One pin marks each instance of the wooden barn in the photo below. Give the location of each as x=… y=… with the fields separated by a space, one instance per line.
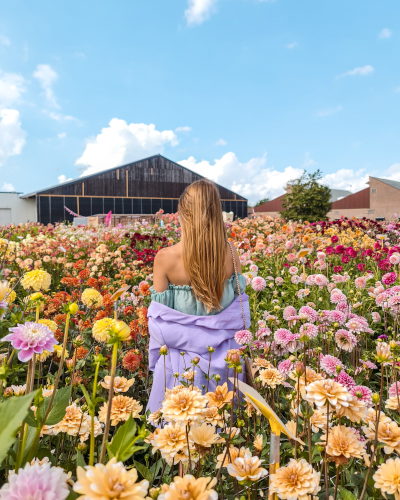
x=141 y=187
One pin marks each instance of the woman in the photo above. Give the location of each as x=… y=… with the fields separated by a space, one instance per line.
x=195 y=297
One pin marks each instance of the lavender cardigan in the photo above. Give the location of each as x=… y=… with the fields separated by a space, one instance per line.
x=191 y=334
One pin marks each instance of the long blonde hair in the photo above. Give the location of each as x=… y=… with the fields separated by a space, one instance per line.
x=204 y=240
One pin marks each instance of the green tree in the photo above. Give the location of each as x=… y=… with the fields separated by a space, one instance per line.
x=261 y=202
x=307 y=199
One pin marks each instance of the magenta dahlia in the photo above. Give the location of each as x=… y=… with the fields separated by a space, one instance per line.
x=329 y=363
x=31 y=338
x=362 y=393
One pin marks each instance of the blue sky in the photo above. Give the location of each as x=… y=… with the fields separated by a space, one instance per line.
x=246 y=92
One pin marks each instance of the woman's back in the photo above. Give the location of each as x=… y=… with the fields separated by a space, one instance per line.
x=172 y=287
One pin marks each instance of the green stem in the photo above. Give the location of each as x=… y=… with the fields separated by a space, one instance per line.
x=110 y=397
x=92 y=412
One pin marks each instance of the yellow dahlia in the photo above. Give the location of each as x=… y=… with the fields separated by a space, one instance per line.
x=343 y=443
x=247 y=468
x=211 y=416
x=271 y=377
x=233 y=454
x=297 y=480
x=220 y=397
x=110 y=482
x=11 y=296
x=388 y=434
x=121 y=384
x=73 y=422
x=92 y=298
x=387 y=477
x=355 y=411
x=121 y=408
x=51 y=325
x=185 y=405
x=171 y=440
x=36 y=280
x=189 y=488
x=203 y=436
x=326 y=391
x=102 y=328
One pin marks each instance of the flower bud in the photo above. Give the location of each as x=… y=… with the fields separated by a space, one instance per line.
x=234 y=359
x=299 y=369
x=8 y=392
x=163 y=350
x=82 y=447
x=217 y=378
x=238 y=369
x=375 y=398
x=121 y=330
x=338 y=369
x=73 y=308
x=210 y=349
x=196 y=360
x=36 y=296
x=69 y=363
x=393 y=344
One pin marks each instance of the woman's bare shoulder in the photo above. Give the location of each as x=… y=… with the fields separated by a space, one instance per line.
x=168 y=255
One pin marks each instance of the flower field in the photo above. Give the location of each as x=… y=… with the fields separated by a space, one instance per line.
x=323 y=347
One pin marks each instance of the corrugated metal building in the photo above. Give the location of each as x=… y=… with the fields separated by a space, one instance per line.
x=142 y=187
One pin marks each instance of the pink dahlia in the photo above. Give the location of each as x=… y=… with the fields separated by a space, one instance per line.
x=31 y=338
x=394 y=258
x=258 y=284
x=283 y=336
x=360 y=282
x=39 y=482
x=243 y=337
x=289 y=245
x=376 y=317
x=337 y=297
x=362 y=393
x=337 y=317
x=263 y=332
x=389 y=278
x=345 y=379
x=308 y=330
x=293 y=270
x=345 y=340
x=329 y=363
x=369 y=365
x=392 y=390
x=285 y=367
x=309 y=314
x=321 y=280
x=288 y=311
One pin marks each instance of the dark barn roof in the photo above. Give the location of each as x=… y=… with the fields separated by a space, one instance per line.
x=154 y=177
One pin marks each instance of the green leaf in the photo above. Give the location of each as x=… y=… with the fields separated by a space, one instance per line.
x=72 y=495
x=30 y=418
x=122 y=445
x=80 y=461
x=60 y=403
x=144 y=471
x=12 y=413
x=346 y=494
x=87 y=397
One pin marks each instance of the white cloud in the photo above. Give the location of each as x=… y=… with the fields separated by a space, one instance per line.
x=11 y=88
x=308 y=161
x=122 y=143
x=221 y=142
x=393 y=172
x=12 y=137
x=291 y=45
x=346 y=179
x=183 y=129
x=199 y=10
x=60 y=117
x=4 y=40
x=385 y=33
x=251 y=179
x=47 y=76
x=63 y=178
x=360 y=71
x=62 y=135
x=398 y=89
x=7 y=186
x=329 y=111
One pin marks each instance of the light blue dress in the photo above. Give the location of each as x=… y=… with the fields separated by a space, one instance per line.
x=182 y=299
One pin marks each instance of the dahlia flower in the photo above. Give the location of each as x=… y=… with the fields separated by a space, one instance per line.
x=31 y=338
x=36 y=280
x=271 y=377
x=171 y=440
x=109 y=482
x=121 y=408
x=285 y=367
x=388 y=434
x=220 y=397
x=204 y=436
x=258 y=284
x=383 y=352
x=92 y=298
x=389 y=278
x=329 y=363
x=243 y=337
x=355 y=410
x=121 y=384
x=131 y=361
x=102 y=328
x=38 y=481
x=212 y=416
x=362 y=393
x=345 y=379
x=308 y=313
x=295 y=481
x=387 y=477
x=308 y=330
x=189 y=487
x=322 y=392
x=247 y=468
x=233 y=454
x=182 y=406
x=345 y=340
